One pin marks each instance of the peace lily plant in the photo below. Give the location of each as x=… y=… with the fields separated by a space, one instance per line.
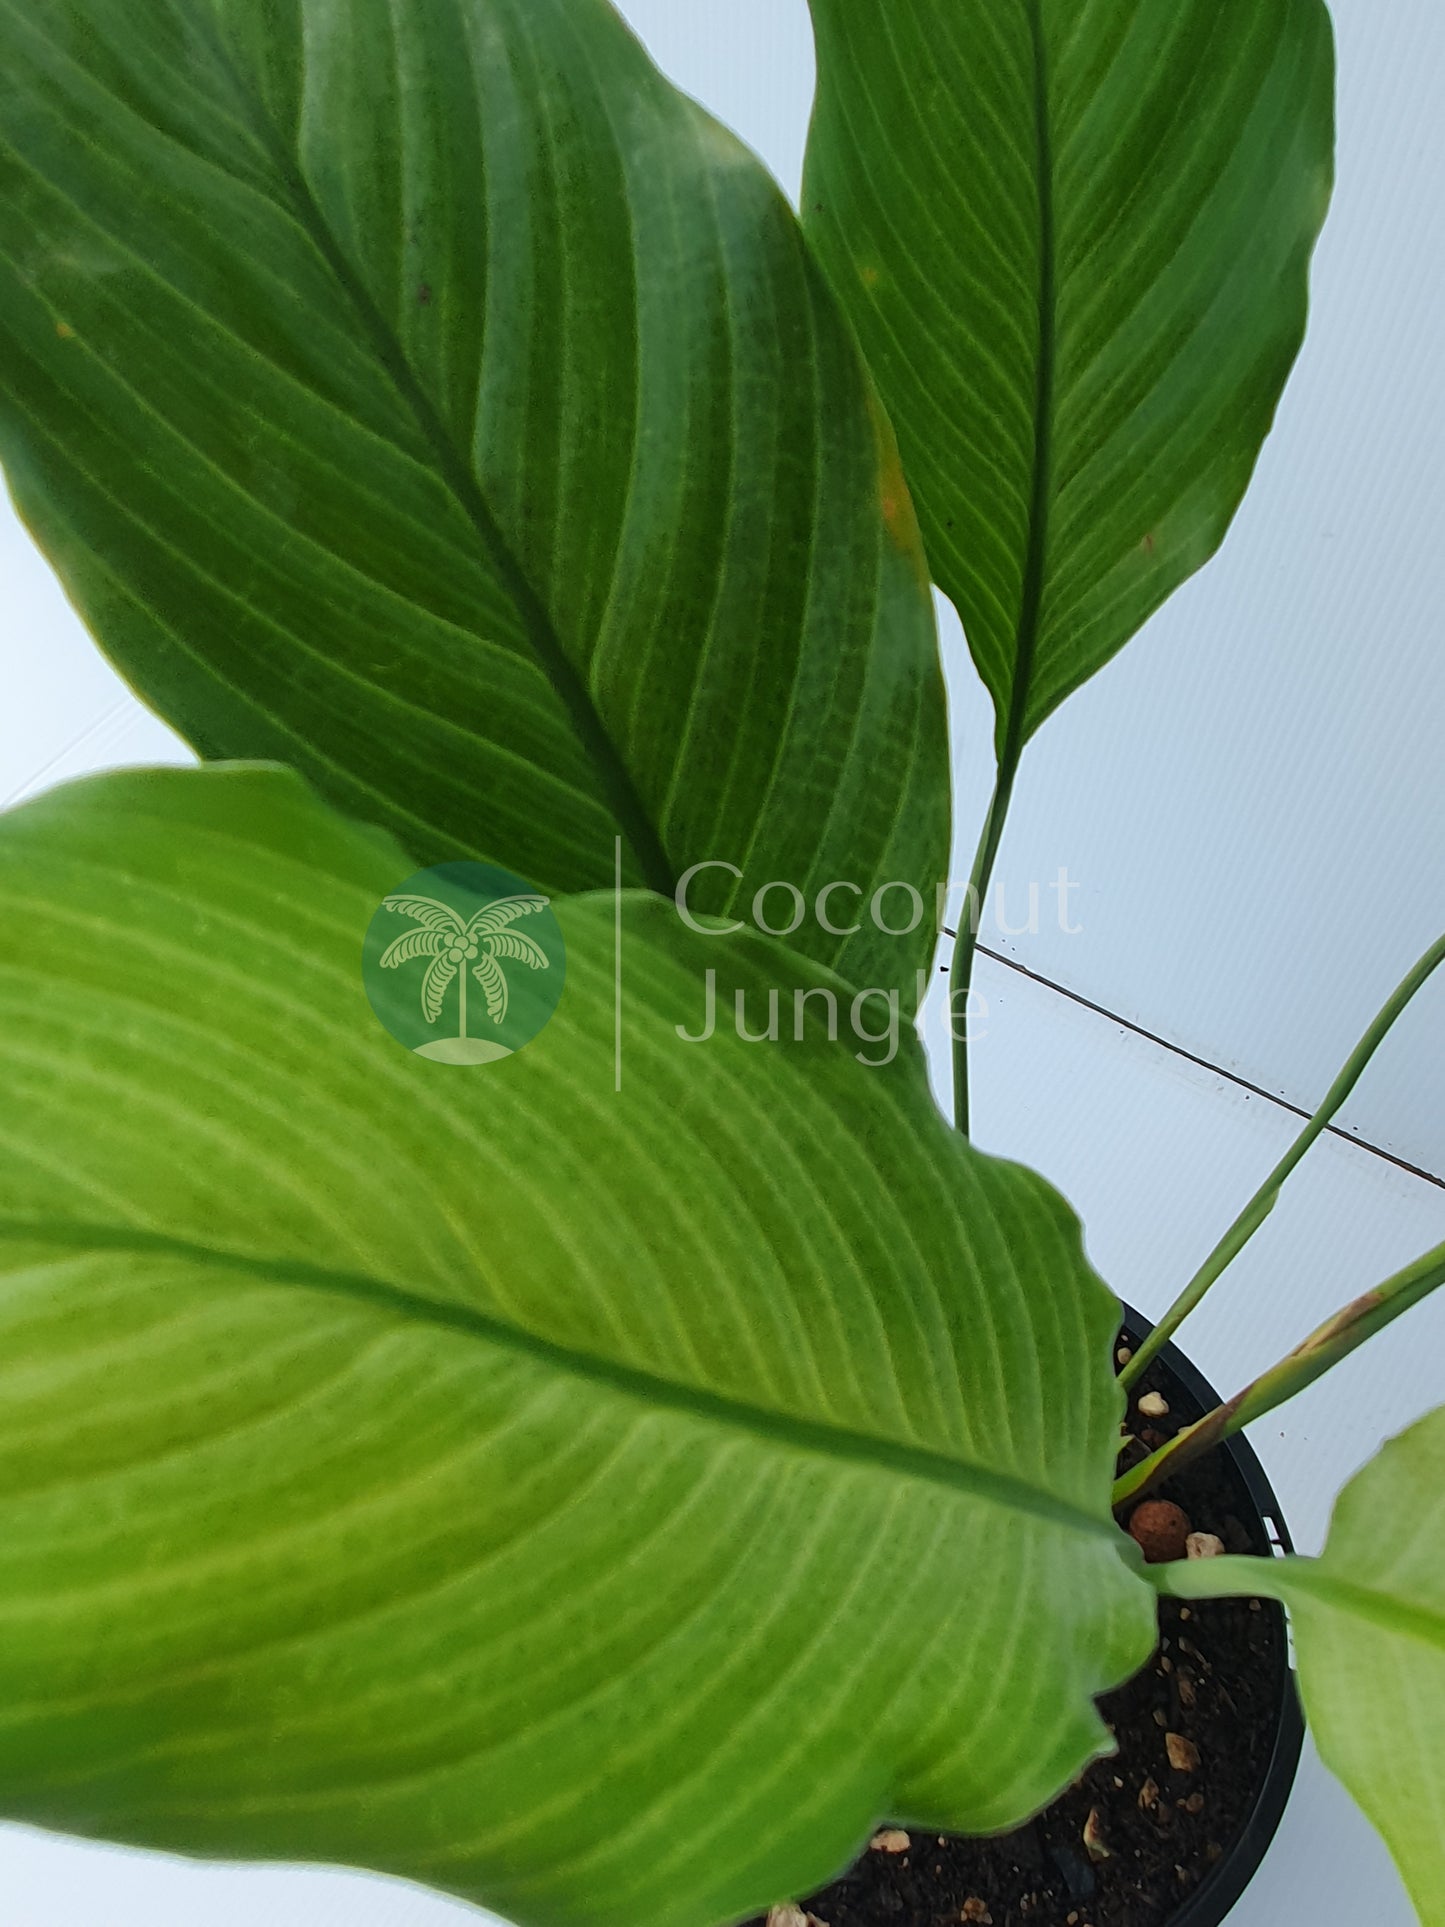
x=602 y=1503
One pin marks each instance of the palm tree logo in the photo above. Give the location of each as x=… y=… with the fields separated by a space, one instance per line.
x=456 y=947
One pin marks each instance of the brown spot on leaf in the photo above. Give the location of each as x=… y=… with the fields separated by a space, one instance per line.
x=895 y=503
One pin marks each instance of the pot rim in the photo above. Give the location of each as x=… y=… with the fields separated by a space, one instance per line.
x=1217 y=1893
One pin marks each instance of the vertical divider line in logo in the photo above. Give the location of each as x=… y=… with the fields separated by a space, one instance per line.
x=617 y=965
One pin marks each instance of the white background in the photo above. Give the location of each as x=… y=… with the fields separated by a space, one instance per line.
x=1251 y=800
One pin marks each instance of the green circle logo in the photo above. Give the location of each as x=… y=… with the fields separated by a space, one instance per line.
x=464 y=964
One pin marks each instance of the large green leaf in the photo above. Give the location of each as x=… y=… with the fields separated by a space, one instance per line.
x=1369 y=1628
x=1074 y=236
x=425 y=394
x=605 y=1506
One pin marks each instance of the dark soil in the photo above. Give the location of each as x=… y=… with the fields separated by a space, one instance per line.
x=1214 y=1683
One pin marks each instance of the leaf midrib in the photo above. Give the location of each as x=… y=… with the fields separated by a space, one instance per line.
x=456 y=472
x=1031 y=595
x=813 y=1436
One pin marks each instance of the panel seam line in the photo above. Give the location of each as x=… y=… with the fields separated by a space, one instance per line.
x=1206 y=1064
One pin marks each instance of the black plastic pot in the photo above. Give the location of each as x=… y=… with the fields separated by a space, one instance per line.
x=878 y=1891
x=1213 y=1899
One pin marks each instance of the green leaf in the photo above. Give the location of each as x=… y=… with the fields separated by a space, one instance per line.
x=604 y=1506
x=1074 y=236
x=1369 y=1629
x=424 y=394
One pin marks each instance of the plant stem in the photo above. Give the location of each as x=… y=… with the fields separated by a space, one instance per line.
x=1265 y=1199
x=960 y=980
x=1232 y=1576
x=1031 y=587
x=1319 y=1353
